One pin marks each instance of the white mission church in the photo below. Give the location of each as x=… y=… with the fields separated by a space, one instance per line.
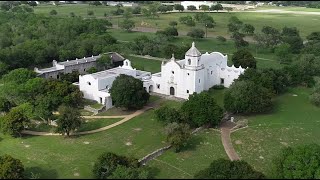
x=179 y=78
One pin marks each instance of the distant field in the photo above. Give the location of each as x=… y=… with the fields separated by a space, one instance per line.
x=304 y=9
x=305 y=23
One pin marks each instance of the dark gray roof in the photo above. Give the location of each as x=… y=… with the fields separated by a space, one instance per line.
x=116 y=57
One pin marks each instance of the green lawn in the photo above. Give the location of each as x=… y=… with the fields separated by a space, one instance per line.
x=85 y=112
x=115 y=112
x=92 y=124
x=303 y=9
x=152 y=66
x=59 y=157
x=294 y=122
x=203 y=148
x=43 y=127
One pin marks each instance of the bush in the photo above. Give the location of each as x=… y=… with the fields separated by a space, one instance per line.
x=53 y=12
x=226 y=169
x=315 y=99
x=244 y=59
x=221 y=39
x=167 y=115
x=217 y=87
x=178 y=135
x=11 y=168
x=196 y=33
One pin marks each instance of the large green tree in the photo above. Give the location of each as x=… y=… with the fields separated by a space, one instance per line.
x=201 y=109
x=108 y=162
x=69 y=120
x=17 y=119
x=128 y=92
x=226 y=169
x=178 y=135
x=244 y=59
x=247 y=97
x=11 y=168
x=301 y=162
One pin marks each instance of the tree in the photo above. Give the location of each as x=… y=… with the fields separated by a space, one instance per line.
x=53 y=12
x=201 y=109
x=292 y=37
x=11 y=168
x=69 y=120
x=238 y=40
x=187 y=20
x=221 y=39
x=128 y=13
x=127 y=24
x=104 y=62
x=173 y=23
x=315 y=98
x=136 y=10
x=33 y=3
x=282 y=51
x=108 y=162
x=248 y=29
x=153 y=9
x=196 y=33
x=92 y=70
x=179 y=7
x=95 y=3
x=204 y=7
x=18 y=76
x=191 y=8
x=90 y=13
x=234 y=24
x=169 y=31
x=17 y=119
x=123 y=172
x=228 y=8
x=244 y=59
x=162 y=8
x=168 y=115
x=269 y=38
x=72 y=14
x=128 y=92
x=301 y=162
x=226 y=169
x=247 y=97
x=178 y=135
x=216 y=7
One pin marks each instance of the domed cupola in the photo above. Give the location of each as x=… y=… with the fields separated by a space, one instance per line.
x=192 y=56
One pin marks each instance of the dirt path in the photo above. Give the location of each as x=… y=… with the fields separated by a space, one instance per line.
x=127 y=118
x=226 y=140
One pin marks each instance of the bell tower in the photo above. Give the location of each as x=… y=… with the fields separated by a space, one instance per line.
x=192 y=58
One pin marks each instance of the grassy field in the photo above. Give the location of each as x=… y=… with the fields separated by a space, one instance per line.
x=91 y=124
x=115 y=112
x=58 y=157
x=294 y=122
x=258 y=20
x=152 y=66
x=203 y=148
x=303 y=9
x=77 y=9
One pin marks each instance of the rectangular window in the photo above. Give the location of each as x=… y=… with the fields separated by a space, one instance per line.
x=199 y=80
x=211 y=72
x=221 y=81
x=101 y=100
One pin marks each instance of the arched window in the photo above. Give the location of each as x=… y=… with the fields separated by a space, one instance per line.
x=126 y=63
x=189 y=61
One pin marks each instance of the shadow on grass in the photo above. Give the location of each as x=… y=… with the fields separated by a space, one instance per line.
x=40 y=173
x=192 y=143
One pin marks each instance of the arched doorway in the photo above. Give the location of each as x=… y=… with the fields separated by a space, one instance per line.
x=171 y=90
x=151 y=88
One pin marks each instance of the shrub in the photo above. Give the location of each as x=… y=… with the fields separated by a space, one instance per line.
x=221 y=39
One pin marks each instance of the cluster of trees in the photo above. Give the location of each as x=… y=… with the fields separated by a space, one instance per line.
x=24 y=96
x=253 y=91
x=199 y=110
x=158 y=46
x=49 y=38
x=238 y=30
x=113 y=166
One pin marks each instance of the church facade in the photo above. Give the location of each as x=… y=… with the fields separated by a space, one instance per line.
x=180 y=78
x=196 y=73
